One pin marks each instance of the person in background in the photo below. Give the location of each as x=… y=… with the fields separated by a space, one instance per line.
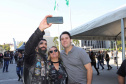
x=99 y=60
x=122 y=73
x=11 y=59
x=93 y=61
x=1 y=60
x=23 y=54
x=19 y=66
x=1 y=56
x=102 y=57
x=16 y=56
x=107 y=58
x=115 y=53
x=6 y=61
x=112 y=54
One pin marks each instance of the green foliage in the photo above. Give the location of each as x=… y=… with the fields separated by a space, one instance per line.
x=106 y=49
x=76 y=42
x=1 y=45
x=55 y=40
x=119 y=44
x=6 y=47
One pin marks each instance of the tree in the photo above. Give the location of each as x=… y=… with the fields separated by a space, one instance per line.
x=76 y=42
x=119 y=45
x=1 y=45
x=6 y=47
x=55 y=40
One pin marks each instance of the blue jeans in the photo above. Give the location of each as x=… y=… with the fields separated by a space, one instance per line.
x=6 y=64
x=99 y=62
x=19 y=70
x=109 y=67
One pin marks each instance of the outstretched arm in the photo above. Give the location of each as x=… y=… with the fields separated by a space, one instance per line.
x=34 y=40
x=35 y=37
x=43 y=25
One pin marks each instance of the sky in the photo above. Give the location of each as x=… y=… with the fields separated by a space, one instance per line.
x=20 y=18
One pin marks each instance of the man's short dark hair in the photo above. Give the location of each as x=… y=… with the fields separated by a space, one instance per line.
x=65 y=32
x=43 y=39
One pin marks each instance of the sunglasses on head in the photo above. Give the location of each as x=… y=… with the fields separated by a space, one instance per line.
x=54 y=51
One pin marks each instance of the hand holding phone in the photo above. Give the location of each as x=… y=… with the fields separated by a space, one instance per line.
x=43 y=24
x=55 y=20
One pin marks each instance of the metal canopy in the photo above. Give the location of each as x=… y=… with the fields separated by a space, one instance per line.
x=106 y=27
x=21 y=48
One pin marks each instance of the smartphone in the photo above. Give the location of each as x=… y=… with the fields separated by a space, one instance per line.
x=55 y=20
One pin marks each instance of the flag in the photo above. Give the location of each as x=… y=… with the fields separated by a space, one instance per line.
x=15 y=47
x=67 y=2
x=56 y=5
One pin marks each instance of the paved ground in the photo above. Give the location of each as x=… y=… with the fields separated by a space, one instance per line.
x=105 y=77
x=9 y=77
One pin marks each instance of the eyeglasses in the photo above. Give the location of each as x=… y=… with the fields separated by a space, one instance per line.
x=54 y=51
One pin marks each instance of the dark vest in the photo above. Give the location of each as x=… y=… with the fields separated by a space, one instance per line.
x=38 y=72
x=20 y=62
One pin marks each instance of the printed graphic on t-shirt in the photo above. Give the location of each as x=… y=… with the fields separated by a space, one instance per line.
x=43 y=68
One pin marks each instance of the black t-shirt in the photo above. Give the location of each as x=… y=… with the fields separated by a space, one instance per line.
x=122 y=69
x=107 y=57
x=7 y=59
x=99 y=56
x=92 y=57
x=57 y=76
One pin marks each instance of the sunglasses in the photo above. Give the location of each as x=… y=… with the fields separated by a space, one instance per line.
x=54 y=51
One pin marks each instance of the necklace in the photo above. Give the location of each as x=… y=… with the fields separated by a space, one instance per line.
x=55 y=62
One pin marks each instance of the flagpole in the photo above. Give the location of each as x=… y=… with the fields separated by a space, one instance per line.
x=59 y=37
x=56 y=7
x=15 y=47
x=70 y=15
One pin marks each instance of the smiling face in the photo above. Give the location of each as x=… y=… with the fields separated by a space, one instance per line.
x=53 y=53
x=42 y=46
x=65 y=41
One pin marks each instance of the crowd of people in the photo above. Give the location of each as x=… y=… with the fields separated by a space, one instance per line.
x=8 y=58
x=101 y=57
x=72 y=65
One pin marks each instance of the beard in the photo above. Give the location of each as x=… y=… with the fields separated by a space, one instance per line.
x=42 y=51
